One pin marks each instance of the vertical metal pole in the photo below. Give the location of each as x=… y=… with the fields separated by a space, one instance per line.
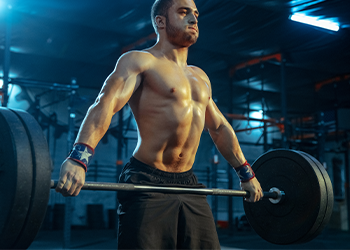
x=262 y=66
x=119 y=164
x=321 y=137
x=70 y=142
x=266 y=146
x=229 y=167
x=7 y=54
x=284 y=102
x=214 y=199
x=347 y=183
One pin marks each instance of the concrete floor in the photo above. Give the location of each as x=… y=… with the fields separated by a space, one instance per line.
x=104 y=239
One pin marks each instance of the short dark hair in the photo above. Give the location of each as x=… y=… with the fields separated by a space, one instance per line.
x=160 y=7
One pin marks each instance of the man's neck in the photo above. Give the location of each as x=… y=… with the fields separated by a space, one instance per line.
x=173 y=53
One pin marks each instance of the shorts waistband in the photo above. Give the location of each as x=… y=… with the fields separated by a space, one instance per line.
x=157 y=172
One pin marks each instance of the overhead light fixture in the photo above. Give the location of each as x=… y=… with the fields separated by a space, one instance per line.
x=3 y=5
x=256 y=114
x=315 y=21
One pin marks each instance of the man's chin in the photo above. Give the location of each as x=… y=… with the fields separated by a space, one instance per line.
x=186 y=40
x=190 y=44
x=187 y=44
x=191 y=40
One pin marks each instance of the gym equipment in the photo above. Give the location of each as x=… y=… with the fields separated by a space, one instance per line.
x=297 y=207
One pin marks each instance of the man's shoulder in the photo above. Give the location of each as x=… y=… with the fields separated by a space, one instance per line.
x=197 y=69
x=139 y=59
x=136 y=55
x=200 y=72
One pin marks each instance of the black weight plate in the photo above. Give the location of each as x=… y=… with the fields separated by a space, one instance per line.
x=41 y=180
x=290 y=221
x=323 y=221
x=16 y=173
x=314 y=231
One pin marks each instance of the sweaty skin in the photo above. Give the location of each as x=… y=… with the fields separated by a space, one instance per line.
x=171 y=103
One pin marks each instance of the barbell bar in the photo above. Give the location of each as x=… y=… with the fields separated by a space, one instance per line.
x=275 y=194
x=25 y=183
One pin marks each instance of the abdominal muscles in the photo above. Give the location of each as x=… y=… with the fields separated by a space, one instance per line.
x=169 y=134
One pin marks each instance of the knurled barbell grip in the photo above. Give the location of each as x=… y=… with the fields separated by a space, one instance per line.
x=270 y=195
x=161 y=189
x=102 y=186
x=242 y=193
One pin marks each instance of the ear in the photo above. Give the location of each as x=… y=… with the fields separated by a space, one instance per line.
x=160 y=21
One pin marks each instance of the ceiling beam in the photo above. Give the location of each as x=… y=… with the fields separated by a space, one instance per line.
x=340 y=78
x=254 y=61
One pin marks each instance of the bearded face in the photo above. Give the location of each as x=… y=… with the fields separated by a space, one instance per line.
x=180 y=36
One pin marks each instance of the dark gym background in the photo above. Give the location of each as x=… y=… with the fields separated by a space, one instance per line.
x=280 y=83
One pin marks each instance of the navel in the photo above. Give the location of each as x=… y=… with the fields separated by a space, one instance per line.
x=172 y=90
x=180 y=155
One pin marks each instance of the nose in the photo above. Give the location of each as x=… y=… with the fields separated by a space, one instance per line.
x=193 y=19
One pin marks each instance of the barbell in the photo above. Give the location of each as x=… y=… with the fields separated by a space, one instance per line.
x=299 y=204
x=274 y=194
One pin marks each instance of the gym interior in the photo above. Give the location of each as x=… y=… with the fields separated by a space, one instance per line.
x=280 y=83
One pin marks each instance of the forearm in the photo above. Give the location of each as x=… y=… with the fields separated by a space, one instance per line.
x=227 y=143
x=95 y=124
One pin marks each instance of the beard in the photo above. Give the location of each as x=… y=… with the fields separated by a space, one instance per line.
x=178 y=37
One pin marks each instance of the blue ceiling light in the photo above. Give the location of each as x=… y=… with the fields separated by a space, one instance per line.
x=315 y=21
x=256 y=114
x=3 y=5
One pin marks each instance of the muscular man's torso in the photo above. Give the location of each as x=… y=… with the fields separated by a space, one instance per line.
x=169 y=107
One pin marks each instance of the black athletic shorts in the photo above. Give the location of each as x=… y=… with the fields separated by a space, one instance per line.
x=151 y=220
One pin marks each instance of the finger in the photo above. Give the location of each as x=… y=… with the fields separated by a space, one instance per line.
x=79 y=181
x=252 y=196
x=76 y=186
x=261 y=194
x=61 y=183
x=66 y=195
x=72 y=188
x=67 y=186
x=256 y=197
x=77 y=190
x=250 y=199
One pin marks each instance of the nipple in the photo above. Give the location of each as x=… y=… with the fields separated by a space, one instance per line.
x=209 y=98
x=173 y=90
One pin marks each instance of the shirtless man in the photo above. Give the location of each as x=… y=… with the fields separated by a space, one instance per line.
x=172 y=104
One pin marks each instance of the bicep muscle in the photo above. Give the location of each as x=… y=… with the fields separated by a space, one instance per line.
x=122 y=82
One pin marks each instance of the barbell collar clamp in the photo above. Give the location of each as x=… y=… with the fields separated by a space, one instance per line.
x=280 y=195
